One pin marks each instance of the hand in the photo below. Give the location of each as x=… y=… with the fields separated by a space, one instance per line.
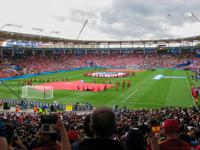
x=18 y=141
x=3 y=143
x=59 y=126
x=65 y=144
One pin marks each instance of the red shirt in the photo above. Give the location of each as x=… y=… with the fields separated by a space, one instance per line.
x=174 y=144
x=56 y=147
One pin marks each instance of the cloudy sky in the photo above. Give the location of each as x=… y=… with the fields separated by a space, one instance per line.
x=107 y=19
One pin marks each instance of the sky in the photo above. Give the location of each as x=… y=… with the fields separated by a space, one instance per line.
x=107 y=19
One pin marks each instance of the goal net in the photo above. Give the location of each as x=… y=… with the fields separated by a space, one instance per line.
x=37 y=92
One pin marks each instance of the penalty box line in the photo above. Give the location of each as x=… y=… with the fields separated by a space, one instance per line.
x=129 y=96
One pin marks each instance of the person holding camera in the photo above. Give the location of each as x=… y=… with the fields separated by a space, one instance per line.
x=8 y=140
x=3 y=143
x=52 y=130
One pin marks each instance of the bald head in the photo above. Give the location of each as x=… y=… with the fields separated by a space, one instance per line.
x=103 y=122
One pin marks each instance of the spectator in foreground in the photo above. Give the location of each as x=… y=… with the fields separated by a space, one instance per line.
x=135 y=140
x=103 y=126
x=87 y=131
x=171 y=128
x=3 y=143
x=50 y=142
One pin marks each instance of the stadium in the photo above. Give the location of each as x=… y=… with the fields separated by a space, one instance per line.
x=124 y=93
x=163 y=75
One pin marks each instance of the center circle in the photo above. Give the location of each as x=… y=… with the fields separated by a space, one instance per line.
x=107 y=74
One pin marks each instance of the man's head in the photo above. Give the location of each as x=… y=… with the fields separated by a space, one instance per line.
x=103 y=122
x=170 y=126
x=135 y=139
x=86 y=126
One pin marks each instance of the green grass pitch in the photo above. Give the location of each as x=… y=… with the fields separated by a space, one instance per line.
x=143 y=93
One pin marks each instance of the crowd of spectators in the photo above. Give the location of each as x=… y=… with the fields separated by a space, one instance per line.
x=33 y=64
x=119 y=129
x=6 y=69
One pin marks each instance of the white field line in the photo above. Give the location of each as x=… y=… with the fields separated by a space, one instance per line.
x=129 y=96
x=82 y=93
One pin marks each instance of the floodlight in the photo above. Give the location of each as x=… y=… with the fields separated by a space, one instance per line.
x=17 y=26
x=190 y=14
x=38 y=29
x=11 y=25
x=54 y=32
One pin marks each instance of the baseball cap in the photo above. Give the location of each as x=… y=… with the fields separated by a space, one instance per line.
x=73 y=135
x=170 y=125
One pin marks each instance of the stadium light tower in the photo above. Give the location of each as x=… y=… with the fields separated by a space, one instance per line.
x=11 y=25
x=82 y=29
x=17 y=26
x=39 y=30
x=5 y=25
x=192 y=14
x=54 y=32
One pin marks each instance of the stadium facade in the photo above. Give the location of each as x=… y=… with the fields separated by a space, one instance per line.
x=19 y=43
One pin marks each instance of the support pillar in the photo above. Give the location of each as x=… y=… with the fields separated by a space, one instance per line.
x=13 y=52
x=1 y=52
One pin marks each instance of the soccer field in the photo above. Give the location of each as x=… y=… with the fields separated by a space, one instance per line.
x=173 y=89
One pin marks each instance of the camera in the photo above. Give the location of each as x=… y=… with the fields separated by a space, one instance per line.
x=46 y=123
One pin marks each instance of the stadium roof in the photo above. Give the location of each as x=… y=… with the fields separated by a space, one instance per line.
x=4 y=35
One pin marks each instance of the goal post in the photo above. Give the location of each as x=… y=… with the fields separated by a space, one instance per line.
x=37 y=92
